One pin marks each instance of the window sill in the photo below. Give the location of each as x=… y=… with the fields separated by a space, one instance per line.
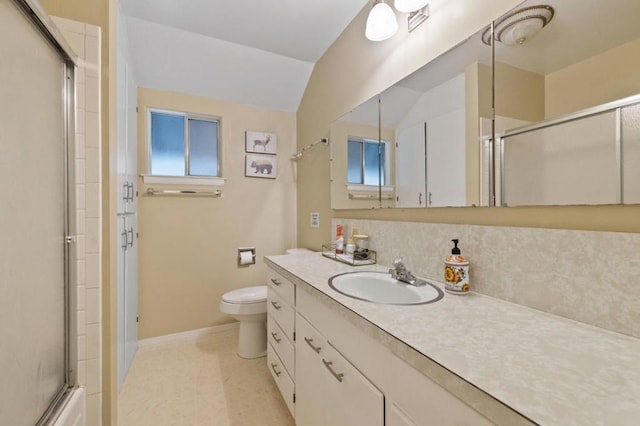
x=369 y=188
x=183 y=180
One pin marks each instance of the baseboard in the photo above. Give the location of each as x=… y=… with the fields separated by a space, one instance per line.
x=185 y=335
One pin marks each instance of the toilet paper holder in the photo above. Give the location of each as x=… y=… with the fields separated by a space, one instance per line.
x=246 y=256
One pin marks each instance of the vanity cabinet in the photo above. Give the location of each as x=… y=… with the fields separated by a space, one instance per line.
x=281 y=335
x=329 y=389
x=338 y=374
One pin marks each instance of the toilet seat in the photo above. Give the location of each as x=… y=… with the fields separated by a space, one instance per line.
x=247 y=295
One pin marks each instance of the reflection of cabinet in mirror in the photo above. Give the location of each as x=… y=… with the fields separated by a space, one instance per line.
x=430 y=150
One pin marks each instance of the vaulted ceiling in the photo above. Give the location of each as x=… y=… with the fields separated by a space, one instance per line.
x=256 y=52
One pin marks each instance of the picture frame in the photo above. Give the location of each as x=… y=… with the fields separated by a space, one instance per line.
x=261 y=142
x=261 y=166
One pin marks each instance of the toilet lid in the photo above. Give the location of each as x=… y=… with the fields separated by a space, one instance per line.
x=247 y=295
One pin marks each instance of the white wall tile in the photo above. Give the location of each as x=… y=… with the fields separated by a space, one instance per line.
x=92 y=270
x=93 y=305
x=94 y=409
x=92 y=165
x=80 y=196
x=80 y=221
x=94 y=378
x=92 y=200
x=82 y=298
x=92 y=94
x=93 y=236
x=82 y=373
x=93 y=341
x=68 y=26
x=80 y=273
x=82 y=323
x=76 y=42
x=92 y=129
x=80 y=170
x=79 y=74
x=80 y=95
x=82 y=348
x=92 y=51
x=92 y=30
x=80 y=247
x=79 y=145
x=80 y=121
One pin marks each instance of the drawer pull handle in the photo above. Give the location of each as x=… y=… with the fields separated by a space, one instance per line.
x=276 y=282
x=316 y=349
x=273 y=367
x=328 y=364
x=275 y=337
x=276 y=305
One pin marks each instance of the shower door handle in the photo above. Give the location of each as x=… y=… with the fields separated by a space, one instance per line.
x=130 y=242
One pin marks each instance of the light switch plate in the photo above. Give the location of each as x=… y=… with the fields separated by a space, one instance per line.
x=315 y=219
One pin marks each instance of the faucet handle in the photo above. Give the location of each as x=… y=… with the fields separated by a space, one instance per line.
x=398 y=264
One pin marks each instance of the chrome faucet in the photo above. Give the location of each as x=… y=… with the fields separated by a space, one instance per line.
x=399 y=272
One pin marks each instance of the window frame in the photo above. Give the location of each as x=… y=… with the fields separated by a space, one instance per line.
x=387 y=160
x=187 y=142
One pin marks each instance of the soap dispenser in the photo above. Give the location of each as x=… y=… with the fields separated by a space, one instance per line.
x=456 y=271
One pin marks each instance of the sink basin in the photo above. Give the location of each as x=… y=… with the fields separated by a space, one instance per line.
x=379 y=287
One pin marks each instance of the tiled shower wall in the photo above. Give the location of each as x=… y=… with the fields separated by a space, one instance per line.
x=84 y=39
x=591 y=277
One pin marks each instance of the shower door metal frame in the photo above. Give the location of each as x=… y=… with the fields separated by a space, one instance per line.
x=38 y=17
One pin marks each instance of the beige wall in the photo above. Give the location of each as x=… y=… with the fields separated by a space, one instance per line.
x=188 y=245
x=520 y=94
x=603 y=78
x=334 y=89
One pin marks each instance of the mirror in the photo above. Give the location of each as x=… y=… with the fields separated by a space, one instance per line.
x=429 y=128
x=573 y=86
x=362 y=156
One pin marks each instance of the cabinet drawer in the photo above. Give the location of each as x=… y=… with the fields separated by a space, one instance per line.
x=281 y=377
x=285 y=288
x=282 y=345
x=281 y=312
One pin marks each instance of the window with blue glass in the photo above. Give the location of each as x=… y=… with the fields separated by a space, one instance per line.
x=367 y=161
x=184 y=145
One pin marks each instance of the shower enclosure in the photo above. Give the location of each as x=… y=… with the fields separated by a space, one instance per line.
x=36 y=127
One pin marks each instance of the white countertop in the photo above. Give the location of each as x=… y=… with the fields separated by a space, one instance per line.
x=550 y=369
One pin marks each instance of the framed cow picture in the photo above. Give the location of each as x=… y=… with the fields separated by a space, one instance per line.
x=261 y=166
x=261 y=143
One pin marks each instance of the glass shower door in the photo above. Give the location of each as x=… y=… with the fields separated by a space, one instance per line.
x=33 y=220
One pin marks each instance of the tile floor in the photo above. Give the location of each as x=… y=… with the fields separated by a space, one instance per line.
x=200 y=382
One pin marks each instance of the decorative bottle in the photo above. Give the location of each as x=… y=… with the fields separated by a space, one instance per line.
x=456 y=272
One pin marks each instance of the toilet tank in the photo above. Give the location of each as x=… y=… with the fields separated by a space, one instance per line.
x=298 y=251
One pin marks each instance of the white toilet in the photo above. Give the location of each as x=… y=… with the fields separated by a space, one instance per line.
x=249 y=306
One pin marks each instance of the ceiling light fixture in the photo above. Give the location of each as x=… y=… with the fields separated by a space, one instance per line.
x=381 y=22
x=520 y=25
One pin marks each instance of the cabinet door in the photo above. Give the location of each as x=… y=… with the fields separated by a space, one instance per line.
x=411 y=177
x=446 y=164
x=131 y=292
x=122 y=247
x=396 y=417
x=310 y=394
x=121 y=124
x=132 y=142
x=352 y=400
